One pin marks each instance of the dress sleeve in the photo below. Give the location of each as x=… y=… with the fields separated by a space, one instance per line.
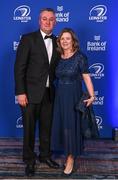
x=84 y=64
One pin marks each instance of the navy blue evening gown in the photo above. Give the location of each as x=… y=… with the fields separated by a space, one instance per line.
x=66 y=126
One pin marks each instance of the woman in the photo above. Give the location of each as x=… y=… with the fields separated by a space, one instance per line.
x=71 y=70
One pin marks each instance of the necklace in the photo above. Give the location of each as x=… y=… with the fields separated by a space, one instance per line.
x=67 y=55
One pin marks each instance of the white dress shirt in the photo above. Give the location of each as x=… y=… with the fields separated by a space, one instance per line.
x=49 y=47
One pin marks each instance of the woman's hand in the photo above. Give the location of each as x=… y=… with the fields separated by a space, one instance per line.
x=89 y=101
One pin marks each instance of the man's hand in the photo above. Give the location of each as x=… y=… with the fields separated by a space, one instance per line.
x=22 y=100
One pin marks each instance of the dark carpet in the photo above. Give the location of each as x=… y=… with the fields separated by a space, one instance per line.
x=99 y=161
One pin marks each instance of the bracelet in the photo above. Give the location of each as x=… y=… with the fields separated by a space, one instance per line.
x=92 y=97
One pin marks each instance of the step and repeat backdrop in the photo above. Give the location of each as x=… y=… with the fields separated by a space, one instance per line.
x=95 y=23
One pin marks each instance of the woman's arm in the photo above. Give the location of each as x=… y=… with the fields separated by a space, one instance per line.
x=90 y=88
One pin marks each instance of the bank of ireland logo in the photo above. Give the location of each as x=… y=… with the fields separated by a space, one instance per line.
x=60 y=8
x=16 y=100
x=61 y=15
x=99 y=99
x=15 y=44
x=19 y=123
x=98 y=13
x=97 y=70
x=96 y=44
x=21 y=13
x=99 y=122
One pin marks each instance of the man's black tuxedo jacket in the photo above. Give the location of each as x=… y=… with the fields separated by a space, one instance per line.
x=32 y=67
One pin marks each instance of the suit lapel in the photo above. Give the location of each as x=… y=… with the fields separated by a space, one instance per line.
x=42 y=45
x=54 y=51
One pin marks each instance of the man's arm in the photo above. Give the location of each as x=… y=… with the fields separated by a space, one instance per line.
x=21 y=66
x=20 y=70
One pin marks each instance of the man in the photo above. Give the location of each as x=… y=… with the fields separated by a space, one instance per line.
x=35 y=64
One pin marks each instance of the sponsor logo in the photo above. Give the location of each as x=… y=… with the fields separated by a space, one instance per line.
x=99 y=122
x=21 y=13
x=16 y=101
x=15 y=44
x=99 y=100
x=97 y=13
x=19 y=123
x=97 y=44
x=97 y=70
x=61 y=15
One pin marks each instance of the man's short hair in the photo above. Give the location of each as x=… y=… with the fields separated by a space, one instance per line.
x=47 y=9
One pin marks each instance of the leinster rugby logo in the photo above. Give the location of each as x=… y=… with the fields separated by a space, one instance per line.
x=19 y=123
x=21 y=13
x=99 y=122
x=97 y=13
x=97 y=70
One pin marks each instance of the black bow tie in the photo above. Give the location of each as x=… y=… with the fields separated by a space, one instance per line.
x=46 y=37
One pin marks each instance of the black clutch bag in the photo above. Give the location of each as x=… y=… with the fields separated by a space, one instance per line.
x=88 y=122
x=81 y=105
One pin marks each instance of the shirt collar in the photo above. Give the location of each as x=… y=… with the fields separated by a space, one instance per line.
x=44 y=34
